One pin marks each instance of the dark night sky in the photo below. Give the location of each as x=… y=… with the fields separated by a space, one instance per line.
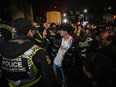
x=80 y=4
x=90 y=4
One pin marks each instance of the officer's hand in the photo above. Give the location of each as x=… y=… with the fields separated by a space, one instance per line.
x=44 y=33
x=46 y=25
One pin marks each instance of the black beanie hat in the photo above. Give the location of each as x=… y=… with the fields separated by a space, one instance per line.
x=22 y=25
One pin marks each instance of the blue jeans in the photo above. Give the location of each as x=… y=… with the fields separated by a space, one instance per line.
x=59 y=73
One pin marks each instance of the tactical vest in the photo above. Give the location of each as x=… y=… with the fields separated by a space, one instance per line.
x=16 y=65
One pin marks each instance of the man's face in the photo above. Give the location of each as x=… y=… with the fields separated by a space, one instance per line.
x=63 y=33
x=79 y=27
x=103 y=38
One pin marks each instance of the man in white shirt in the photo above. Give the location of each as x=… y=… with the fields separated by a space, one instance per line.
x=65 y=45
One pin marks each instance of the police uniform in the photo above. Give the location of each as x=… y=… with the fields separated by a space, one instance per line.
x=25 y=64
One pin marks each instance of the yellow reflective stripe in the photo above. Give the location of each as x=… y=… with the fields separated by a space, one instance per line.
x=7 y=27
x=12 y=35
x=34 y=67
x=38 y=40
x=11 y=85
x=28 y=84
x=39 y=34
x=31 y=83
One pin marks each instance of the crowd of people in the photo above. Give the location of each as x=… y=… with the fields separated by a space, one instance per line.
x=57 y=55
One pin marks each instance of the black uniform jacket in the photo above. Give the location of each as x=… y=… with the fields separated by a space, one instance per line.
x=41 y=60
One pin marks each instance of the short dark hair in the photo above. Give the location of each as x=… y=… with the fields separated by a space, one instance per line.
x=80 y=25
x=67 y=27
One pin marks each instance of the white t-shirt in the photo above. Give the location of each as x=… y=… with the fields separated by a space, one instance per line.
x=65 y=45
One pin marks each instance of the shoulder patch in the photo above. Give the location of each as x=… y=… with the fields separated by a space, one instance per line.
x=48 y=59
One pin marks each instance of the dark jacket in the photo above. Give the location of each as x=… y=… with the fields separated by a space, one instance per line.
x=109 y=51
x=82 y=36
x=13 y=49
x=71 y=57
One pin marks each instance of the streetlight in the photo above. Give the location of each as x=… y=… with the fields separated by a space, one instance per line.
x=109 y=8
x=85 y=10
x=65 y=20
x=64 y=14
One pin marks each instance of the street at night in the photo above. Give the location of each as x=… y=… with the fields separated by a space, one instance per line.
x=58 y=43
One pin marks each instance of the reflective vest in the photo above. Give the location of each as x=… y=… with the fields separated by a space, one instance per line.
x=16 y=65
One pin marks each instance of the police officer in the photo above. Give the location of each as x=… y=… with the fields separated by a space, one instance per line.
x=40 y=36
x=25 y=64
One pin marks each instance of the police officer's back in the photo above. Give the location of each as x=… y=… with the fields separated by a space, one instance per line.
x=23 y=62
